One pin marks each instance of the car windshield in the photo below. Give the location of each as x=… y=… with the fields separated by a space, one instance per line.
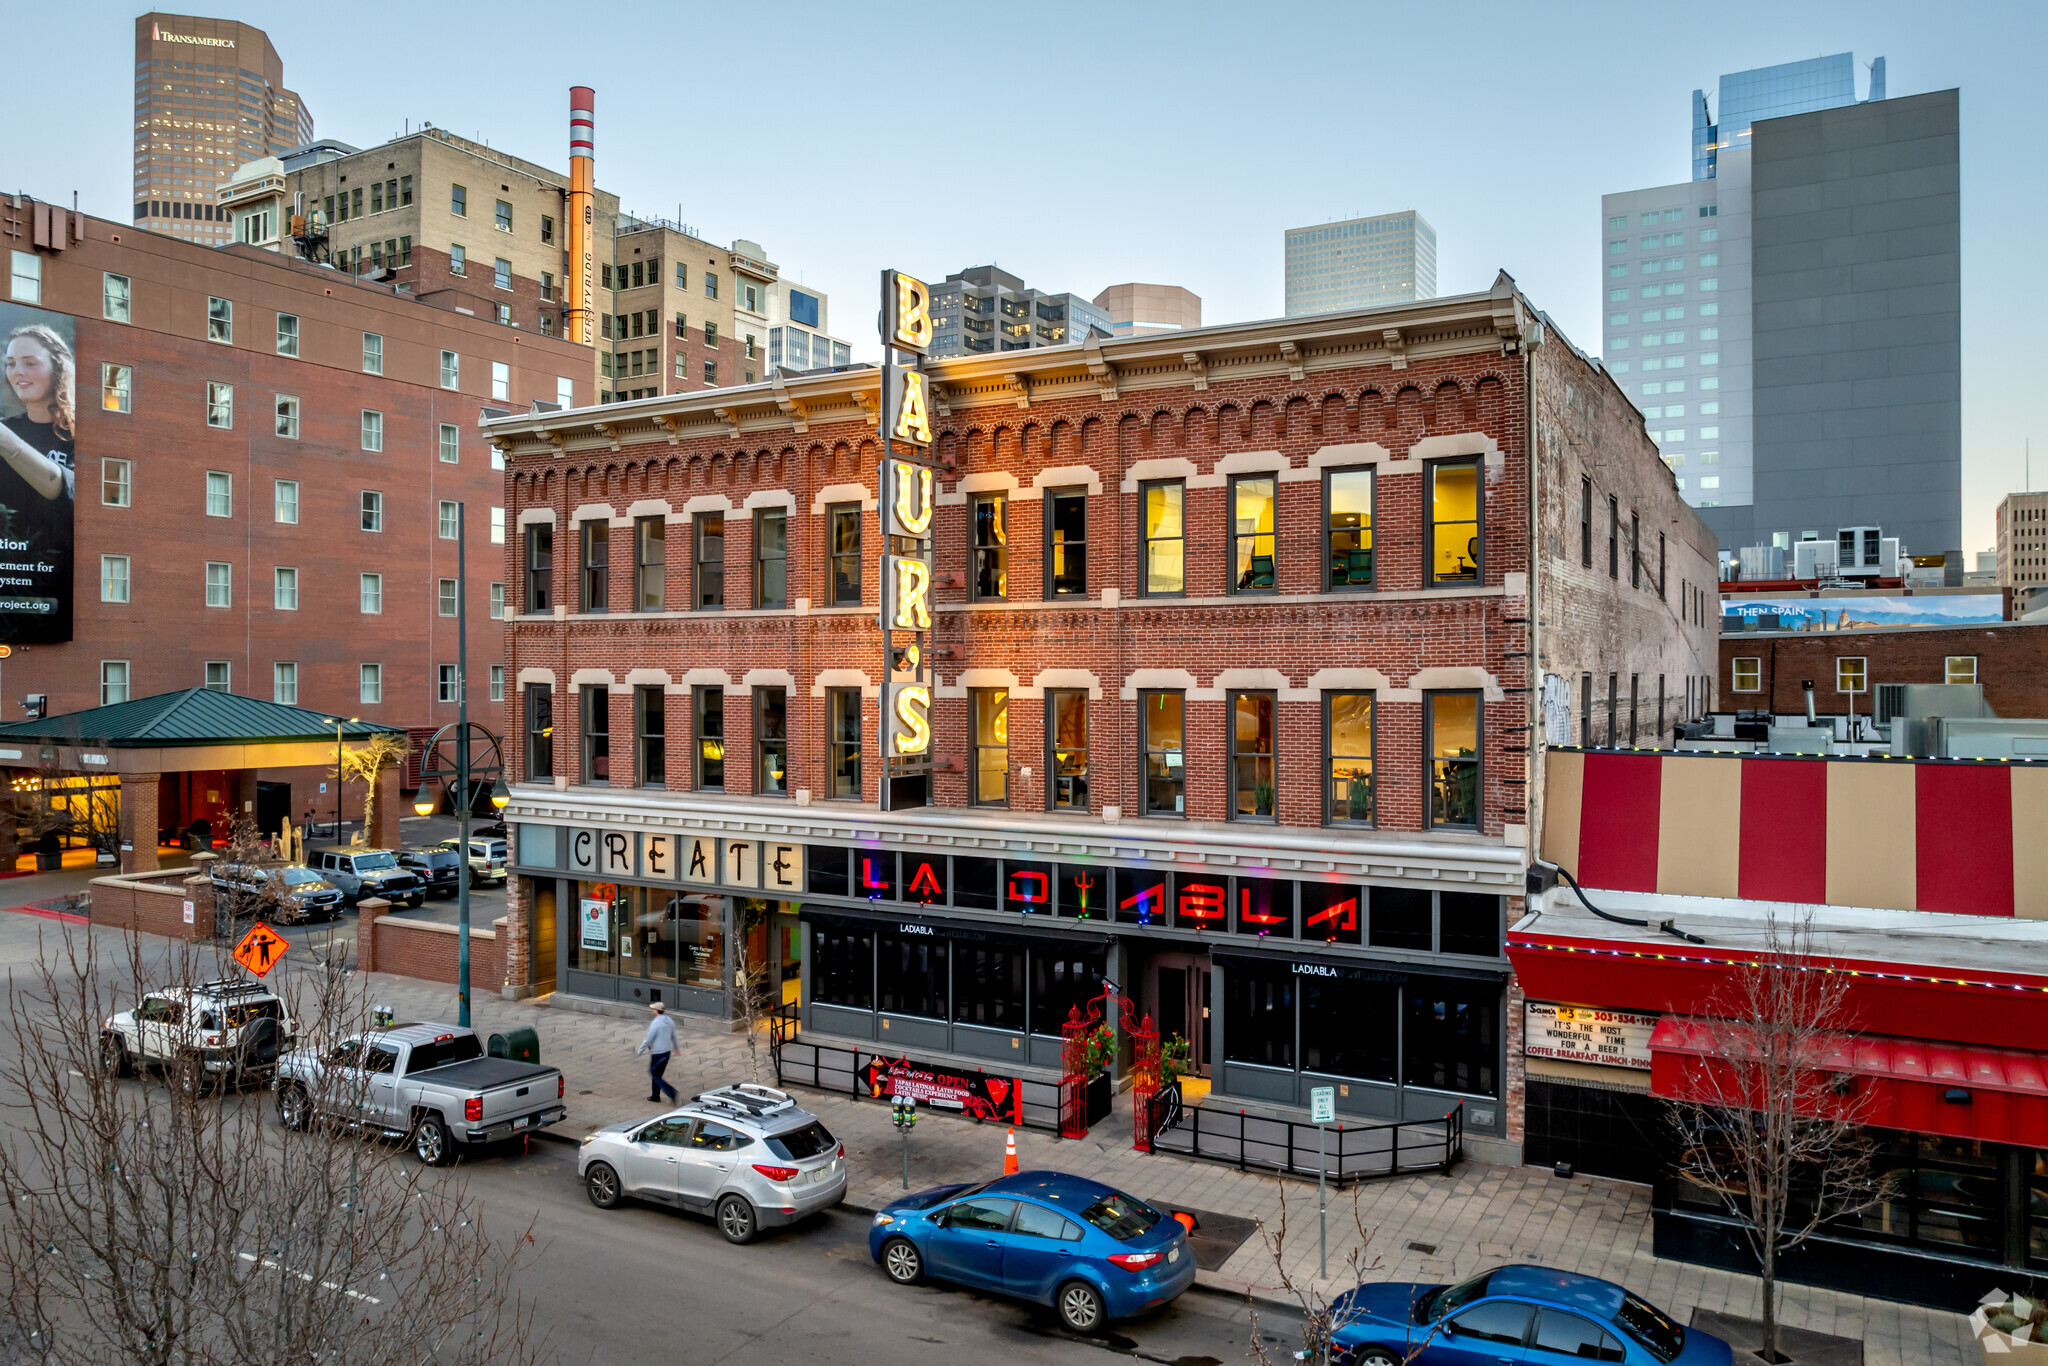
x=1122 y=1217
x=441 y=858
x=812 y=1140
x=367 y=862
x=1449 y=1299
x=441 y=1052
x=299 y=877
x=1650 y=1326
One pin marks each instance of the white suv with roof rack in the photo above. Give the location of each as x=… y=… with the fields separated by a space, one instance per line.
x=231 y=1030
x=747 y=1155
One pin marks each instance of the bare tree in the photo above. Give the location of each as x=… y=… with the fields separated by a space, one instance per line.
x=368 y=761
x=753 y=995
x=68 y=802
x=172 y=1226
x=1324 y=1316
x=1768 y=1125
x=249 y=885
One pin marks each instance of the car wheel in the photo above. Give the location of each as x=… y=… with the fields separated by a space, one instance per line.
x=294 y=1108
x=1080 y=1306
x=601 y=1183
x=903 y=1262
x=114 y=1059
x=1372 y=1356
x=431 y=1141
x=418 y=901
x=736 y=1219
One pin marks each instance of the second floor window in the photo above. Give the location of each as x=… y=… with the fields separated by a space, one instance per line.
x=843 y=548
x=771 y=558
x=220 y=494
x=1066 y=544
x=708 y=734
x=540 y=567
x=843 y=728
x=1165 y=777
x=771 y=741
x=220 y=320
x=710 y=558
x=1454 y=522
x=1165 y=538
x=991 y=768
x=1347 y=728
x=1347 y=528
x=650 y=711
x=1851 y=674
x=1066 y=767
x=989 y=525
x=540 y=731
x=597 y=567
x=1251 y=755
x=1451 y=738
x=287 y=334
x=595 y=706
x=373 y=510
x=1251 y=533
x=650 y=564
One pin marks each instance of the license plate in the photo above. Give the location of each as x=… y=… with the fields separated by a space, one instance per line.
x=519 y=1123
x=1174 y=1255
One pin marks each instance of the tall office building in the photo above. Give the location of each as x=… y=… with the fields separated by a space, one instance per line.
x=209 y=97
x=1799 y=365
x=1137 y=310
x=985 y=308
x=1360 y=263
x=2022 y=554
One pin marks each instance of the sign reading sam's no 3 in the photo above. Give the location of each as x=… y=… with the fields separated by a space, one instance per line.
x=1604 y=1038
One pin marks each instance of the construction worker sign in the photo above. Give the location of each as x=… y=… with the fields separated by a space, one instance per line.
x=261 y=950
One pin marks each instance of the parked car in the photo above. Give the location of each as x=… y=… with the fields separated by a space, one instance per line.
x=745 y=1154
x=367 y=872
x=487 y=858
x=427 y=1083
x=288 y=894
x=1517 y=1313
x=1088 y=1250
x=438 y=868
x=228 y=1031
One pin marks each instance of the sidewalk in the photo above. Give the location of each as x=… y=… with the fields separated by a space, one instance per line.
x=1477 y=1217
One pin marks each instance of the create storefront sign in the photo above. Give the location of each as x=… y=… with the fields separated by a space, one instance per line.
x=975 y=1094
x=1603 y=1038
x=705 y=860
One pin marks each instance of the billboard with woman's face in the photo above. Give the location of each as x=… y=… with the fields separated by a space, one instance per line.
x=38 y=432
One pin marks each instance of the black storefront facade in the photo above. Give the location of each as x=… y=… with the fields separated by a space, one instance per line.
x=1283 y=972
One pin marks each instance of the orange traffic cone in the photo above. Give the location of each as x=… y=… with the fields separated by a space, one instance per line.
x=1010 y=1154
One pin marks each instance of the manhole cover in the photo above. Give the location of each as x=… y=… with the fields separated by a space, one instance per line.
x=1426 y=1249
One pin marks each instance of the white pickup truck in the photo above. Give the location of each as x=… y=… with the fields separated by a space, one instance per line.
x=427 y=1083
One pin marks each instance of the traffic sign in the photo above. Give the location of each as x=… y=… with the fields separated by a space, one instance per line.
x=1322 y=1104
x=261 y=950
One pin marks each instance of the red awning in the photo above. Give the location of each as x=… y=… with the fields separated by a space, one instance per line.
x=1958 y=1090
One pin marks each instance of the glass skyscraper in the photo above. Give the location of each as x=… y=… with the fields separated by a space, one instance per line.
x=1771 y=92
x=1360 y=263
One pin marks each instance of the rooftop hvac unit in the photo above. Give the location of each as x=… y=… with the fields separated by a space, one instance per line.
x=1866 y=550
x=1813 y=560
x=1763 y=562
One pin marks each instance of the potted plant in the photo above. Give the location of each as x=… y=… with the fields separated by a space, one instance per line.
x=1099 y=1050
x=1173 y=1060
x=2012 y=1330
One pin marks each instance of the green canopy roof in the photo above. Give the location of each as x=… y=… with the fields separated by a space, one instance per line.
x=195 y=716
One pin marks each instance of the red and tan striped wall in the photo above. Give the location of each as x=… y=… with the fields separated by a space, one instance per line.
x=1962 y=837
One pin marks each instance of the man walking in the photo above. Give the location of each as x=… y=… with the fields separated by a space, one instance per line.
x=659 y=1043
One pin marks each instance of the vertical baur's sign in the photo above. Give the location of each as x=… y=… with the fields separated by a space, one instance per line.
x=908 y=496
x=581 y=277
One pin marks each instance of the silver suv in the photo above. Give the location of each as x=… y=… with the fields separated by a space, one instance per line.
x=744 y=1154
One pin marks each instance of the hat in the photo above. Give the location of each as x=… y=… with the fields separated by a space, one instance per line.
x=657 y=1007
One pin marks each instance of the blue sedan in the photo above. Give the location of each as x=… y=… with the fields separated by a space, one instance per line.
x=1088 y=1250
x=1516 y=1315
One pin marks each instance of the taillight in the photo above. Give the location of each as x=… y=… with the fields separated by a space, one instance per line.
x=1134 y=1261
x=473 y=1109
x=213 y=1039
x=561 y=1085
x=776 y=1173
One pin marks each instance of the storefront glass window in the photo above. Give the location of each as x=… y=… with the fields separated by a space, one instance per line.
x=1027 y=887
x=1452 y=1038
x=700 y=938
x=988 y=987
x=910 y=976
x=601 y=909
x=1264 y=906
x=825 y=870
x=1258 y=1014
x=1348 y=1028
x=842 y=967
x=974 y=883
x=2037 y=1208
x=1400 y=919
x=1332 y=912
x=1084 y=891
x=1944 y=1193
x=1470 y=923
x=1062 y=981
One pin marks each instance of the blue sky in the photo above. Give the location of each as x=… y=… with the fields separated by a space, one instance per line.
x=1082 y=145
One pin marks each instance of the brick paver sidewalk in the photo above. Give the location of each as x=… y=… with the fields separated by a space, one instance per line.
x=1477 y=1217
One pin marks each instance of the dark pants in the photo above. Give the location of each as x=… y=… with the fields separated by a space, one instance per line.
x=657 y=1063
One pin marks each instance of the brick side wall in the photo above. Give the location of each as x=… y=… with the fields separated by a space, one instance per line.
x=431 y=951
x=2012 y=664
x=152 y=907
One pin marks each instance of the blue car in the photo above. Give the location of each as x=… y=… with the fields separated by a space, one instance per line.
x=1088 y=1250
x=1513 y=1316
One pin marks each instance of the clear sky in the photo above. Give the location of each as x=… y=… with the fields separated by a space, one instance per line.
x=1080 y=145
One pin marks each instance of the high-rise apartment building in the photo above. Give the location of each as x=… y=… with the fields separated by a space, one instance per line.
x=1799 y=366
x=209 y=97
x=2022 y=522
x=1360 y=263
x=1137 y=310
x=985 y=308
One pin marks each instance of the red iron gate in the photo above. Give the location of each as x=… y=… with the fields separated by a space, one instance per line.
x=1083 y=1035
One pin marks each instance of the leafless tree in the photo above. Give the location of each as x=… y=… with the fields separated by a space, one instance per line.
x=1323 y=1315
x=753 y=995
x=252 y=886
x=1770 y=1125
x=173 y=1226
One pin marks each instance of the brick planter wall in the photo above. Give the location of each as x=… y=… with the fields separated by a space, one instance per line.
x=424 y=949
x=154 y=905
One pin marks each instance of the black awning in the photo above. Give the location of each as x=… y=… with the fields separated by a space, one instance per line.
x=1312 y=965
x=963 y=931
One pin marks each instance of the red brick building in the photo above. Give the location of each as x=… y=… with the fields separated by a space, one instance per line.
x=267 y=457
x=1767 y=670
x=1234 y=632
